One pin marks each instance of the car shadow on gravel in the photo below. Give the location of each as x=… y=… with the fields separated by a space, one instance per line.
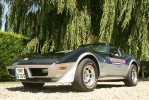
x=58 y=88
x=99 y=86
x=44 y=89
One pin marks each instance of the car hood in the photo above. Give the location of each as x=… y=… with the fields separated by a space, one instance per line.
x=50 y=58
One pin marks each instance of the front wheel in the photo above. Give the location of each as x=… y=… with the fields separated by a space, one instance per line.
x=32 y=85
x=132 y=79
x=86 y=76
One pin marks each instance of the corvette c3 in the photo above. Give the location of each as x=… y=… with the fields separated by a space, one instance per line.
x=82 y=67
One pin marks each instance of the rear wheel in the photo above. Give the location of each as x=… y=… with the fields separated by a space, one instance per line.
x=132 y=79
x=86 y=76
x=32 y=85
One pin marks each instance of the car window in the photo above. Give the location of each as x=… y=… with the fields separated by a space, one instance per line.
x=96 y=47
x=100 y=48
x=115 y=51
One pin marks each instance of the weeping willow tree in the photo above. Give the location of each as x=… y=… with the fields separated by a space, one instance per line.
x=65 y=24
x=1 y=11
x=139 y=38
x=126 y=23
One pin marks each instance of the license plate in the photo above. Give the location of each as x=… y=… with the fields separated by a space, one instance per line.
x=20 y=74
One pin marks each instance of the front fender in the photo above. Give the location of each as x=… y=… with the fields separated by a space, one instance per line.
x=134 y=62
x=69 y=76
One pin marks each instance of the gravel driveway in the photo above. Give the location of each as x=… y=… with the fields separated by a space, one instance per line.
x=104 y=91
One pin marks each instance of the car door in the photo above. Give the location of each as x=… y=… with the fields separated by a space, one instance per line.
x=117 y=59
x=107 y=68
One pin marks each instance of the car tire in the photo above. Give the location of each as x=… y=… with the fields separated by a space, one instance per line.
x=32 y=85
x=86 y=76
x=132 y=79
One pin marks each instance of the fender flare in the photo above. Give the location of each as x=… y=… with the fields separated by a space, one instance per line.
x=137 y=65
x=69 y=76
x=84 y=55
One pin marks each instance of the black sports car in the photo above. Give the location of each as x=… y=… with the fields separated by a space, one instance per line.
x=82 y=67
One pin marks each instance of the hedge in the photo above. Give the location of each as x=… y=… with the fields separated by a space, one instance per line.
x=11 y=46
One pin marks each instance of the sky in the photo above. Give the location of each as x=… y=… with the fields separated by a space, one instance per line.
x=5 y=9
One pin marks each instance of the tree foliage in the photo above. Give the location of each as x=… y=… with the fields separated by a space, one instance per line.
x=65 y=24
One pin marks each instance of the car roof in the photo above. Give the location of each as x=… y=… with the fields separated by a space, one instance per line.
x=95 y=44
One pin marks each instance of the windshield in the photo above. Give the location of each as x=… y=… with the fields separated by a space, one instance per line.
x=96 y=47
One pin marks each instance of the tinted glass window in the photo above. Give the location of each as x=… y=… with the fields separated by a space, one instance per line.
x=96 y=47
x=114 y=51
x=100 y=48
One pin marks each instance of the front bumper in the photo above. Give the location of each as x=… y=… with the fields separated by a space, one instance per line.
x=42 y=73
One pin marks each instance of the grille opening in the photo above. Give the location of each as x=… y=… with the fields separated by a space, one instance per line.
x=39 y=71
x=11 y=72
